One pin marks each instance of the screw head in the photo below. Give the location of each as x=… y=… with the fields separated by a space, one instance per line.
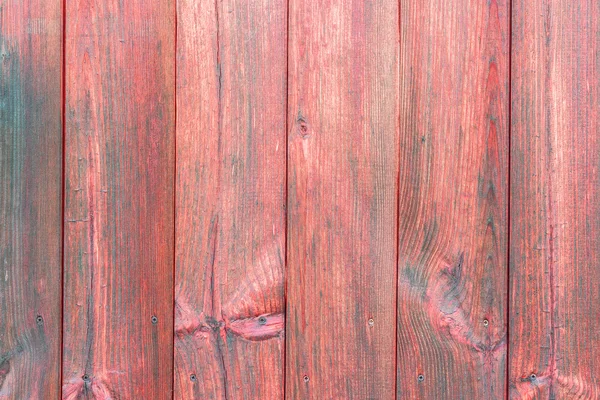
x=306 y=379
x=193 y=377
x=262 y=320
x=39 y=320
x=371 y=322
x=420 y=378
x=86 y=378
x=486 y=322
x=154 y=320
x=533 y=377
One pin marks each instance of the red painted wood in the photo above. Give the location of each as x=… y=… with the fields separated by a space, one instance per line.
x=230 y=250
x=555 y=186
x=120 y=84
x=30 y=198
x=453 y=199
x=342 y=188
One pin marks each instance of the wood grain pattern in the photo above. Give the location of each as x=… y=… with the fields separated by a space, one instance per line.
x=30 y=198
x=555 y=186
x=453 y=221
x=230 y=250
x=119 y=224
x=342 y=199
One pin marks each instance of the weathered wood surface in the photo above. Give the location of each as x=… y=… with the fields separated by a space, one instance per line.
x=453 y=222
x=30 y=198
x=231 y=157
x=555 y=187
x=342 y=188
x=247 y=221
x=119 y=216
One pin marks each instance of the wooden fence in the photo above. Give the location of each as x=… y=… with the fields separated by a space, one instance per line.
x=303 y=199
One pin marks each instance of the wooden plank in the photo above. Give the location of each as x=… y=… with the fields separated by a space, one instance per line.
x=30 y=198
x=342 y=188
x=119 y=224
x=555 y=213
x=452 y=264
x=230 y=250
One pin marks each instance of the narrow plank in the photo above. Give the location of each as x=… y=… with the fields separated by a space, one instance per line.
x=452 y=264
x=342 y=199
x=555 y=213
x=230 y=246
x=30 y=198
x=119 y=224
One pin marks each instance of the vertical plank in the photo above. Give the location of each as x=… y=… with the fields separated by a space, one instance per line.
x=230 y=249
x=30 y=198
x=555 y=186
x=342 y=188
x=118 y=296
x=452 y=263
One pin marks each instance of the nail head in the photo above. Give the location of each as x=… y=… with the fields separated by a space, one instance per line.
x=306 y=378
x=154 y=319
x=420 y=378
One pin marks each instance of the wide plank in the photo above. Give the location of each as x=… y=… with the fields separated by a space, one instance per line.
x=30 y=198
x=555 y=212
x=230 y=231
x=119 y=211
x=453 y=218
x=342 y=199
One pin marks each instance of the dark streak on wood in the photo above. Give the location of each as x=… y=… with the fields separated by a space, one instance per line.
x=231 y=91
x=453 y=199
x=30 y=198
x=555 y=213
